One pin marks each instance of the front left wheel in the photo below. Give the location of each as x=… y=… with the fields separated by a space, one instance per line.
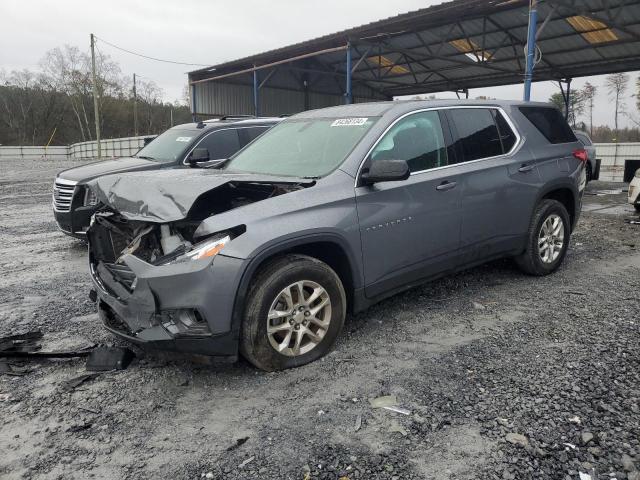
x=295 y=310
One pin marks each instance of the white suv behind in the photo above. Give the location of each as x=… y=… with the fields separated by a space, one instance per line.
x=634 y=191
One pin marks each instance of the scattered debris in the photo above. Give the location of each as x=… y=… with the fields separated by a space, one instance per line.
x=478 y=306
x=517 y=439
x=109 y=358
x=12 y=369
x=239 y=442
x=631 y=221
x=575 y=419
x=403 y=411
x=384 y=401
x=5 y=397
x=75 y=382
x=24 y=342
x=397 y=428
x=570 y=445
x=358 y=422
x=584 y=476
x=627 y=463
x=246 y=462
x=573 y=292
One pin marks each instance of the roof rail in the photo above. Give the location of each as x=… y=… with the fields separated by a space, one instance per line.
x=230 y=117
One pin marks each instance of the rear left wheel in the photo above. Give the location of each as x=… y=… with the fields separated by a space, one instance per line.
x=548 y=239
x=295 y=310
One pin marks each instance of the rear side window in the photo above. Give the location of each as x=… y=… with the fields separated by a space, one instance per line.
x=478 y=135
x=507 y=136
x=250 y=134
x=550 y=122
x=221 y=144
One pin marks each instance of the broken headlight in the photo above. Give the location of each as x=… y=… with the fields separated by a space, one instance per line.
x=90 y=198
x=206 y=249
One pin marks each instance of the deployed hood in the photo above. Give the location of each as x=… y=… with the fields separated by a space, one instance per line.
x=92 y=170
x=168 y=195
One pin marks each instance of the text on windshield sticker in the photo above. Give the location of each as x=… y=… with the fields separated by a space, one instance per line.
x=349 y=122
x=183 y=139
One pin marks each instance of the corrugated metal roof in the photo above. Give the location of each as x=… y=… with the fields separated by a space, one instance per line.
x=452 y=46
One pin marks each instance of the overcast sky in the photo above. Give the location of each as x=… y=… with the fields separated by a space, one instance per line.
x=208 y=32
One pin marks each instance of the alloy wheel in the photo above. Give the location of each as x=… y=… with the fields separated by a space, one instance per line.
x=551 y=239
x=299 y=318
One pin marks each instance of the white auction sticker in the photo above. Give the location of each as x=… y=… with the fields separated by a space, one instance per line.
x=349 y=122
x=183 y=139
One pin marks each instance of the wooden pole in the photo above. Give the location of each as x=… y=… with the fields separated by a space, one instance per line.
x=96 y=106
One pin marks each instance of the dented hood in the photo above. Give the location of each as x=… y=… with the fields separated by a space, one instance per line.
x=167 y=196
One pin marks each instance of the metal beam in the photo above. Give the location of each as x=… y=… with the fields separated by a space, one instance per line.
x=348 y=95
x=531 y=49
x=256 y=90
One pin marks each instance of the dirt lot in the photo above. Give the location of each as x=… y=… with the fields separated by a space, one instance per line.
x=505 y=376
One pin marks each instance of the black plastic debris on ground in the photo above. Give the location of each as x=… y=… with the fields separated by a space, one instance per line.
x=109 y=358
x=27 y=345
x=75 y=382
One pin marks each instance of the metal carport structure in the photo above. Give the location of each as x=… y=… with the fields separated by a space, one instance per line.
x=454 y=46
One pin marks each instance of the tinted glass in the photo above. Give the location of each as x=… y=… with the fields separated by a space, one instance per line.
x=550 y=122
x=302 y=147
x=507 y=135
x=254 y=132
x=417 y=139
x=477 y=133
x=221 y=144
x=168 y=147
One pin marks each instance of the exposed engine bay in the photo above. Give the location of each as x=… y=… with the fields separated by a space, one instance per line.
x=113 y=235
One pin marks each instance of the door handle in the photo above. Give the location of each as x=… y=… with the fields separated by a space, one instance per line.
x=526 y=168
x=446 y=185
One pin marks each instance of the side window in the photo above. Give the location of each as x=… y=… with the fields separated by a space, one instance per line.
x=478 y=135
x=221 y=144
x=550 y=122
x=418 y=139
x=507 y=135
x=253 y=133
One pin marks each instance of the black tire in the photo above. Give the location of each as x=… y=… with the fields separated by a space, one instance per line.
x=529 y=261
x=637 y=207
x=265 y=288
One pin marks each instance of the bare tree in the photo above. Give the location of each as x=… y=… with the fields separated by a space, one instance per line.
x=151 y=95
x=617 y=84
x=589 y=92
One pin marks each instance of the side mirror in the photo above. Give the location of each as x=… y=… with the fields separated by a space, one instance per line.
x=386 y=171
x=199 y=155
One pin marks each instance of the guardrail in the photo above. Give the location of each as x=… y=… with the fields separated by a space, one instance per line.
x=111 y=148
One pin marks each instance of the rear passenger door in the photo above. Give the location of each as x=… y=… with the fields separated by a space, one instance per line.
x=499 y=183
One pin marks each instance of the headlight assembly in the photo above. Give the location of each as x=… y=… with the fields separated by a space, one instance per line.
x=205 y=249
x=90 y=199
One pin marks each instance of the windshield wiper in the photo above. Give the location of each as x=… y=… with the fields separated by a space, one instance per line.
x=311 y=177
x=144 y=157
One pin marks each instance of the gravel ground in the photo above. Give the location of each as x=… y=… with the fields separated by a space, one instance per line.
x=503 y=376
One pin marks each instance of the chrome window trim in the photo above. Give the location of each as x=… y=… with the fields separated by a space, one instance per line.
x=516 y=146
x=184 y=160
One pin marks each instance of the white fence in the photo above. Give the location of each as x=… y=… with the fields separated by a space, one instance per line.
x=111 y=148
x=614 y=158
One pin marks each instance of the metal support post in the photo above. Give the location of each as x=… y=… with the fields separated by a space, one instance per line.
x=256 y=98
x=531 y=49
x=348 y=95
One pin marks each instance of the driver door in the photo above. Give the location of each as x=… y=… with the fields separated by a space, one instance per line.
x=410 y=229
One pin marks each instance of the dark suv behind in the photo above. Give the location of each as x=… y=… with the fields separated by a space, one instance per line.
x=73 y=203
x=327 y=213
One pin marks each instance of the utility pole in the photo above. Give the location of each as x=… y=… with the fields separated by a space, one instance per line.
x=135 y=107
x=96 y=106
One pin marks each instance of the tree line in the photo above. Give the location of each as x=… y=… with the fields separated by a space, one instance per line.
x=581 y=106
x=55 y=103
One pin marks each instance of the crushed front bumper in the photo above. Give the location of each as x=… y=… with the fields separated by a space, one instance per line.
x=145 y=306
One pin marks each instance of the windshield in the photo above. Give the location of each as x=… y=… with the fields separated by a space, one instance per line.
x=302 y=148
x=168 y=147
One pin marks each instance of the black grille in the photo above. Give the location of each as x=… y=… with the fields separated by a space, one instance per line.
x=122 y=274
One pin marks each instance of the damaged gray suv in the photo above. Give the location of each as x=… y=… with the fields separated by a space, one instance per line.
x=329 y=212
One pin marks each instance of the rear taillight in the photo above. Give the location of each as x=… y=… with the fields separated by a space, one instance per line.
x=581 y=154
